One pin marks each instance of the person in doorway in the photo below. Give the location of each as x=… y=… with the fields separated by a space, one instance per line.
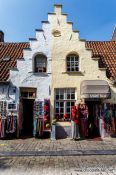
x=75 y=123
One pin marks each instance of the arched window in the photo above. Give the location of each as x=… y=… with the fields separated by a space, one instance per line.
x=40 y=63
x=72 y=63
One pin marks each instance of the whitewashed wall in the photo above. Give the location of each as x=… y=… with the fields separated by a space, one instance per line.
x=24 y=76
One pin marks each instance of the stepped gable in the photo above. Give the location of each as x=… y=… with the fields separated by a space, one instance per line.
x=106 y=51
x=9 y=53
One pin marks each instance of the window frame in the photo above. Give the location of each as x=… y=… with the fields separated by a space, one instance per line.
x=63 y=109
x=38 y=60
x=71 y=61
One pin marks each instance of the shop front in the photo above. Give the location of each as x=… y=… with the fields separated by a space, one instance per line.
x=101 y=115
x=96 y=118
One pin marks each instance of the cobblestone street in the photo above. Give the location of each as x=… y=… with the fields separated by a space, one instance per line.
x=32 y=144
x=61 y=165
x=73 y=165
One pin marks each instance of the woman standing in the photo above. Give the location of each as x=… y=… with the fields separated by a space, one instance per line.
x=75 y=123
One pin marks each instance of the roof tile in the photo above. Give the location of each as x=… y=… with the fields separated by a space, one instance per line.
x=12 y=50
x=106 y=51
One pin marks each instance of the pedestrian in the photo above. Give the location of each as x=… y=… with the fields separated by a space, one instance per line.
x=75 y=123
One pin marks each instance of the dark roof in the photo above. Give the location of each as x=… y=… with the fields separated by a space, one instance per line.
x=9 y=53
x=106 y=51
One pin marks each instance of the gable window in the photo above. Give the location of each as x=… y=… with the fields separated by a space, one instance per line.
x=40 y=63
x=72 y=63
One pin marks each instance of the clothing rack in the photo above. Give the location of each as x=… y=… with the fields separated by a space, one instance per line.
x=41 y=117
x=8 y=126
x=105 y=119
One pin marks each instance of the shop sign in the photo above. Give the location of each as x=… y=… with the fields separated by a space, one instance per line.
x=98 y=95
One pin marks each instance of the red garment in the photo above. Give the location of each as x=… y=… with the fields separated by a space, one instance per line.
x=46 y=108
x=83 y=110
x=66 y=116
x=74 y=114
x=83 y=115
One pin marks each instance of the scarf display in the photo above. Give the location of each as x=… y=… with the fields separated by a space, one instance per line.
x=107 y=114
x=8 y=125
x=2 y=127
x=46 y=114
x=41 y=117
x=11 y=124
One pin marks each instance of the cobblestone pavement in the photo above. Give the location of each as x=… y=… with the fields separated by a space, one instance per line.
x=32 y=144
x=73 y=165
x=57 y=165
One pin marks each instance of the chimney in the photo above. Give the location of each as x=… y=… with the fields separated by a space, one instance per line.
x=58 y=9
x=1 y=36
x=114 y=34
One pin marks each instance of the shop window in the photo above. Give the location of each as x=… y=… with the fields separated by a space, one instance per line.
x=40 y=63
x=72 y=63
x=64 y=100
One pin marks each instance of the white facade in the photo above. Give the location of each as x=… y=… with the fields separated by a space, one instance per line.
x=24 y=75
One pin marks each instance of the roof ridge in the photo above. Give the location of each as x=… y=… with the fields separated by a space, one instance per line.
x=100 y=41
x=14 y=42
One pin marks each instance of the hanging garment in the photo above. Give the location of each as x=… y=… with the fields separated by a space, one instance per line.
x=75 y=122
x=75 y=130
x=2 y=127
x=83 y=118
x=83 y=127
x=11 y=124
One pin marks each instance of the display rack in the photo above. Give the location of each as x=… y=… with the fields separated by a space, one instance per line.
x=41 y=117
x=8 y=121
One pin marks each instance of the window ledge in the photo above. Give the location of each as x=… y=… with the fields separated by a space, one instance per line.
x=77 y=73
x=63 y=123
x=41 y=73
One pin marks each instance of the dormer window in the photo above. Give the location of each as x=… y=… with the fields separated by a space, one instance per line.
x=72 y=63
x=40 y=63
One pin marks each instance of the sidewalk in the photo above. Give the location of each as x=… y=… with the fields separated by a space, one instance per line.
x=33 y=146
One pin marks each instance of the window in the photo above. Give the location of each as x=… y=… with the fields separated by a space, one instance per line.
x=40 y=63
x=64 y=100
x=72 y=63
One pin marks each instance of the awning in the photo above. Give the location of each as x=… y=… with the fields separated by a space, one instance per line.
x=95 y=89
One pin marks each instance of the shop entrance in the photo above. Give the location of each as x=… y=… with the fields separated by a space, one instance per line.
x=26 y=110
x=93 y=121
x=27 y=117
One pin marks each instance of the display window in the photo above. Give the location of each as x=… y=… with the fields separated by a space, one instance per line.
x=64 y=100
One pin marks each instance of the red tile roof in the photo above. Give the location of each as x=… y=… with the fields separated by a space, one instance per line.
x=9 y=53
x=106 y=51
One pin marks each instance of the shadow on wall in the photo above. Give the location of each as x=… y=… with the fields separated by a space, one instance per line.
x=63 y=132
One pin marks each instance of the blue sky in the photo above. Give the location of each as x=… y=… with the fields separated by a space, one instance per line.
x=94 y=18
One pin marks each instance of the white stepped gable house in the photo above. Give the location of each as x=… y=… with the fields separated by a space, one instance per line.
x=43 y=79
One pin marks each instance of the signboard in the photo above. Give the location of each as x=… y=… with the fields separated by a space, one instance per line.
x=95 y=95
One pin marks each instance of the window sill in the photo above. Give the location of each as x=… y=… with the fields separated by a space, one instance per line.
x=65 y=123
x=41 y=73
x=77 y=73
